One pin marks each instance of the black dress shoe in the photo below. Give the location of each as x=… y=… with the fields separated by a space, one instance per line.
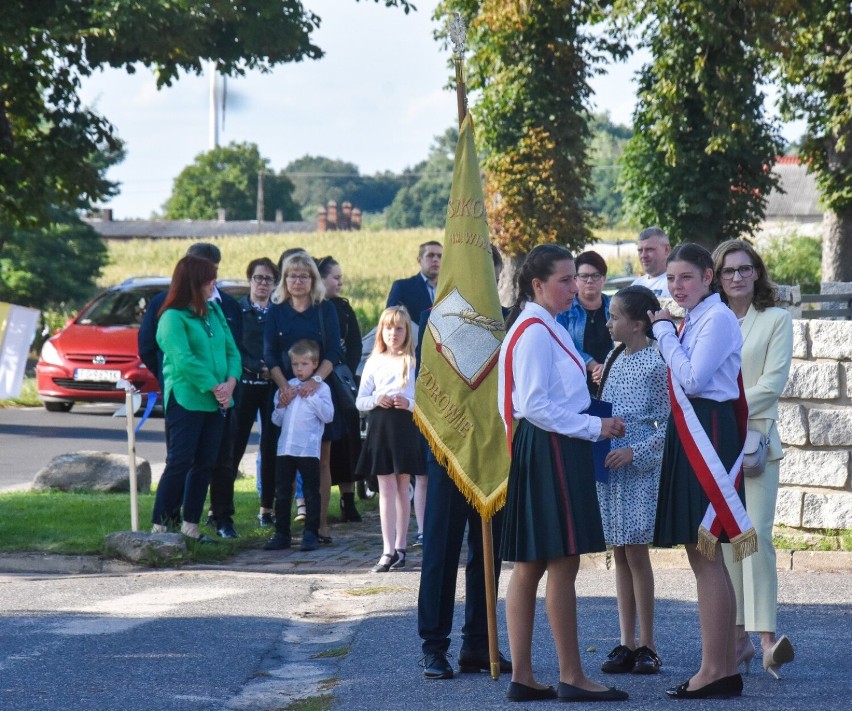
x=723 y=688
x=227 y=531
x=436 y=666
x=619 y=660
x=278 y=542
x=471 y=662
x=566 y=692
x=522 y=692
x=646 y=661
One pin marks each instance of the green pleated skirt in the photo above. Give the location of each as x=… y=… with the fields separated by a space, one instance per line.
x=551 y=501
x=682 y=503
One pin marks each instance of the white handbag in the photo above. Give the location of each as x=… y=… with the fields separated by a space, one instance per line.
x=754 y=453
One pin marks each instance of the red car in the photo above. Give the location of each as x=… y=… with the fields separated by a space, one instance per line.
x=85 y=359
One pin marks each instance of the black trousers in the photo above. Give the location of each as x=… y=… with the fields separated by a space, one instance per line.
x=447 y=515
x=224 y=476
x=285 y=477
x=254 y=399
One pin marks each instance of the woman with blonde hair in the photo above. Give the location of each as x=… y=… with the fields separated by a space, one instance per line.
x=767 y=350
x=299 y=311
x=392 y=451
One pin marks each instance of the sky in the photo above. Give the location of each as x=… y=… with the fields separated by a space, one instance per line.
x=376 y=99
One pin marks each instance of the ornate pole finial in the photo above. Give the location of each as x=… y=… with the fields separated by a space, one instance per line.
x=458 y=36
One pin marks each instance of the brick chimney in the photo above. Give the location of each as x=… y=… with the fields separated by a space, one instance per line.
x=332 y=215
x=322 y=221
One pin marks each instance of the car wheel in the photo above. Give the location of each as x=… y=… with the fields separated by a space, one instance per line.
x=58 y=406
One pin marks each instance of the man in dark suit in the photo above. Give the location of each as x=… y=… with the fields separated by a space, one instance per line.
x=417 y=293
x=225 y=471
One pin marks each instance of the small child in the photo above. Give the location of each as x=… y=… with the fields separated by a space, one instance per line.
x=392 y=451
x=302 y=422
x=634 y=381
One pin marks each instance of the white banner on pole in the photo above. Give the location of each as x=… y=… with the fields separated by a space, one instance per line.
x=17 y=329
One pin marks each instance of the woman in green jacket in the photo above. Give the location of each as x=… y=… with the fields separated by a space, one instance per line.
x=201 y=364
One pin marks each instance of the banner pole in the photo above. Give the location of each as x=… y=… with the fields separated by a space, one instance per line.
x=458 y=36
x=131 y=461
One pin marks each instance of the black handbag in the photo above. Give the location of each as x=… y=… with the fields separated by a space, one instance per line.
x=344 y=390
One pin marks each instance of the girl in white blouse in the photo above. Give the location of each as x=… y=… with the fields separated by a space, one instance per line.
x=392 y=450
x=551 y=515
x=700 y=459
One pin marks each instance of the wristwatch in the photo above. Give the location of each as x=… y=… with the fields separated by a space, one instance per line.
x=316 y=378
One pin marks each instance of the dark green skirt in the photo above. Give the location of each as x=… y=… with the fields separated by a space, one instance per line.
x=551 y=501
x=682 y=503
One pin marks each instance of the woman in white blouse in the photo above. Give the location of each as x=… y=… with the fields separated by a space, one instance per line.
x=551 y=515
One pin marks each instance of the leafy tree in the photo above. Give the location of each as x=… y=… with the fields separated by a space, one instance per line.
x=227 y=177
x=52 y=266
x=423 y=203
x=606 y=151
x=698 y=163
x=530 y=66
x=54 y=152
x=812 y=48
x=794 y=259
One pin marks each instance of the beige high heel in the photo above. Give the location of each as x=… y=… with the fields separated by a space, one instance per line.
x=781 y=653
x=744 y=657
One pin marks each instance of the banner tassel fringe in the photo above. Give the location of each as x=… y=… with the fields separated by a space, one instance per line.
x=707 y=543
x=486 y=509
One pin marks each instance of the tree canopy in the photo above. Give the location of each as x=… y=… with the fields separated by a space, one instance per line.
x=530 y=67
x=227 y=177
x=699 y=161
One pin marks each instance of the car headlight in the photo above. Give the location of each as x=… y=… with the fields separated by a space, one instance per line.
x=50 y=355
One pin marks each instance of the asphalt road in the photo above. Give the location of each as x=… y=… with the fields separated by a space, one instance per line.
x=30 y=437
x=195 y=640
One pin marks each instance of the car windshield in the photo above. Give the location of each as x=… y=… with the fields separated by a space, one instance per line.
x=119 y=307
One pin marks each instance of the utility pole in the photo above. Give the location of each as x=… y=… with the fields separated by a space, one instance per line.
x=260 y=205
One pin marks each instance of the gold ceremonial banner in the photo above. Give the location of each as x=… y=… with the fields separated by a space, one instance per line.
x=455 y=403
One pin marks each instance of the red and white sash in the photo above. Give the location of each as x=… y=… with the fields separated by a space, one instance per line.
x=726 y=511
x=507 y=369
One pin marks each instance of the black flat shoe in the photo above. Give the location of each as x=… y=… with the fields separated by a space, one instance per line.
x=325 y=540
x=619 y=660
x=566 y=692
x=723 y=688
x=646 y=661
x=382 y=567
x=475 y=662
x=400 y=563
x=278 y=542
x=522 y=692
x=436 y=666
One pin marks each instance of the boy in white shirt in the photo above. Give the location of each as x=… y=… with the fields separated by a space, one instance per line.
x=302 y=422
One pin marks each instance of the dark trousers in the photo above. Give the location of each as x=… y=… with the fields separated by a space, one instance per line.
x=254 y=399
x=285 y=476
x=193 y=445
x=447 y=514
x=224 y=474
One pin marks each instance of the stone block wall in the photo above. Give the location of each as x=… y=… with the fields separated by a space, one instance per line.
x=815 y=424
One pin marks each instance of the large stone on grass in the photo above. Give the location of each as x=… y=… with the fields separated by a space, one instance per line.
x=140 y=547
x=93 y=471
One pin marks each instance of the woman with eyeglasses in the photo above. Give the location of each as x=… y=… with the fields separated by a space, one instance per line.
x=256 y=385
x=587 y=318
x=299 y=310
x=767 y=350
x=345 y=448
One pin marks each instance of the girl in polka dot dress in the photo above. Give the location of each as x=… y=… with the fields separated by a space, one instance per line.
x=634 y=381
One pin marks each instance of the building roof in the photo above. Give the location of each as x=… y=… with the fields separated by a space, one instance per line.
x=193 y=229
x=798 y=197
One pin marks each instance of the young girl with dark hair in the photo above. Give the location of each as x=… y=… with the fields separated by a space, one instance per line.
x=551 y=515
x=634 y=381
x=700 y=501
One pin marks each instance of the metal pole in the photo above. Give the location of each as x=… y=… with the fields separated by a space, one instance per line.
x=458 y=36
x=131 y=460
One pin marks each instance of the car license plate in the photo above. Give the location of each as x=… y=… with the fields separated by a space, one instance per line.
x=97 y=376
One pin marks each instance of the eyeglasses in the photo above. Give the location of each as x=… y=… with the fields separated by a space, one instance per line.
x=589 y=277
x=745 y=271
x=262 y=279
x=299 y=277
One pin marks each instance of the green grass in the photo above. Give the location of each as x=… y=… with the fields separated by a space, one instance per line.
x=27 y=398
x=76 y=523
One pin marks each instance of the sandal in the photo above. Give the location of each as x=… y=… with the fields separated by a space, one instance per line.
x=381 y=567
x=400 y=563
x=301 y=511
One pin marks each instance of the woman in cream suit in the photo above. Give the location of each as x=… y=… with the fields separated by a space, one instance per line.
x=767 y=349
